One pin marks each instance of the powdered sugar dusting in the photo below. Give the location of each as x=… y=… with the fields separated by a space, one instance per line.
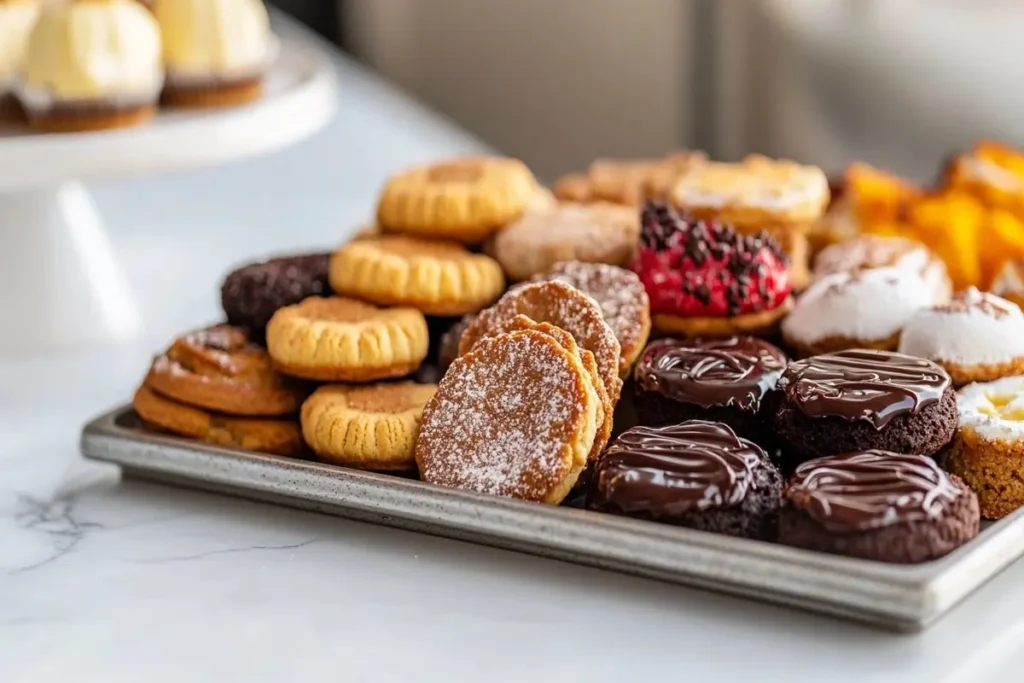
x=503 y=419
x=619 y=293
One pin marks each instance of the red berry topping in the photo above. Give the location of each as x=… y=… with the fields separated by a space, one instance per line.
x=700 y=268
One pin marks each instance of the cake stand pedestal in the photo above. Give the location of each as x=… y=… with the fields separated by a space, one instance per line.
x=61 y=282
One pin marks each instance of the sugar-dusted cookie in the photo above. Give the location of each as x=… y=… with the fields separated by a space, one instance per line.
x=568 y=342
x=464 y=199
x=563 y=306
x=219 y=369
x=438 y=278
x=344 y=340
x=370 y=427
x=281 y=437
x=251 y=294
x=597 y=233
x=516 y=416
x=706 y=279
x=754 y=194
x=621 y=296
x=1009 y=281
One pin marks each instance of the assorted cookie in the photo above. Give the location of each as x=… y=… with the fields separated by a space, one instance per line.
x=878 y=505
x=862 y=400
x=978 y=337
x=407 y=351
x=696 y=474
x=706 y=279
x=719 y=379
x=438 y=278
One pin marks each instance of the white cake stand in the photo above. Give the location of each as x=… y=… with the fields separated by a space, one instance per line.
x=60 y=282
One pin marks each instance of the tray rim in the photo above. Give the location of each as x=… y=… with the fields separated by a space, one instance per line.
x=900 y=597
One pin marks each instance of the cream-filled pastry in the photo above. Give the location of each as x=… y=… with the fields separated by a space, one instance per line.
x=17 y=17
x=90 y=65
x=215 y=51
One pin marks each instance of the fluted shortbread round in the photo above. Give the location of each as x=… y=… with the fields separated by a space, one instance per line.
x=91 y=64
x=438 y=278
x=370 y=427
x=216 y=52
x=464 y=199
x=344 y=340
x=988 y=450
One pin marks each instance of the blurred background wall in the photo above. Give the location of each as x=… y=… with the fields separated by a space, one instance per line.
x=899 y=83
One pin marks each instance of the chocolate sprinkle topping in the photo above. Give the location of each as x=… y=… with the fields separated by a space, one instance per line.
x=737 y=371
x=874 y=386
x=870 y=489
x=666 y=471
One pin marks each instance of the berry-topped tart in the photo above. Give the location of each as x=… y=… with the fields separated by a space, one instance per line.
x=706 y=279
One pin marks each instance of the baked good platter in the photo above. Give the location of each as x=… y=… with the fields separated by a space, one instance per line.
x=889 y=596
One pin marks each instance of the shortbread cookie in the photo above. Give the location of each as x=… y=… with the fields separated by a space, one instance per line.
x=988 y=450
x=597 y=233
x=621 y=296
x=605 y=415
x=280 y=437
x=463 y=199
x=371 y=427
x=864 y=309
x=219 y=369
x=631 y=181
x=878 y=251
x=438 y=278
x=563 y=306
x=252 y=293
x=515 y=417
x=754 y=194
x=343 y=340
x=978 y=337
x=574 y=187
x=705 y=279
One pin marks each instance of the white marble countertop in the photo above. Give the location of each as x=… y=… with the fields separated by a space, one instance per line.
x=104 y=580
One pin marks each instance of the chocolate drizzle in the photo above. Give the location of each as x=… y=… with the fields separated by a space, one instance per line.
x=737 y=371
x=667 y=471
x=662 y=228
x=870 y=489
x=874 y=386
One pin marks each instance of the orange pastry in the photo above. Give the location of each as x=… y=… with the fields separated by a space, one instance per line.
x=219 y=369
x=344 y=340
x=514 y=417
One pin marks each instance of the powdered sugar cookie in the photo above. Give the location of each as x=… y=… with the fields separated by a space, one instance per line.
x=514 y=417
x=563 y=306
x=977 y=337
x=988 y=450
x=1009 y=282
x=598 y=233
x=865 y=309
x=878 y=251
x=621 y=296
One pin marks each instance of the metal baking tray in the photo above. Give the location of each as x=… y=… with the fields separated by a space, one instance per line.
x=898 y=597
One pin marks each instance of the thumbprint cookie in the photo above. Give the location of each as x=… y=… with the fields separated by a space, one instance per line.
x=251 y=294
x=696 y=474
x=371 y=427
x=621 y=296
x=438 y=278
x=865 y=309
x=563 y=306
x=598 y=233
x=978 y=337
x=265 y=435
x=219 y=369
x=465 y=199
x=988 y=451
x=877 y=505
x=344 y=340
x=723 y=380
x=861 y=400
x=516 y=417
x=704 y=279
